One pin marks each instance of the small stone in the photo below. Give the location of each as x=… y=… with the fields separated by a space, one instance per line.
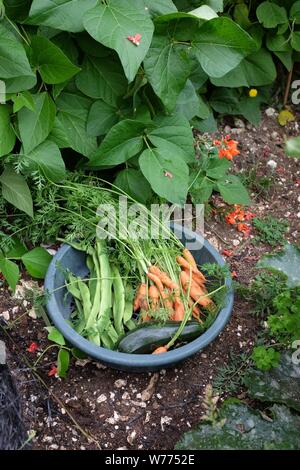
x=25 y=303
x=239 y=123
x=125 y=396
x=270 y=112
x=102 y=398
x=298 y=215
x=131 y=437
x=32 y=313
x=165 y=420
x=275 y=135
x=63 y=411
x=5 y=315
x=272 y=164
x=15 y=309
x=120 y=383
x=298 y=199
x=236 y=242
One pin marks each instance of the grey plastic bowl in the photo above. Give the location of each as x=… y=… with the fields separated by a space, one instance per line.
x=59 y=310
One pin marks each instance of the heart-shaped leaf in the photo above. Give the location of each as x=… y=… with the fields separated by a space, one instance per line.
x=37 y=262
x=114 y=22
x=35 y=126
x=52 y=64
x=47 y=159
x=10 y=272
x=16 y=191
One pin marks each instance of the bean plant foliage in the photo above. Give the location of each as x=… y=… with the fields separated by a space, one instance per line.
x=114 y=85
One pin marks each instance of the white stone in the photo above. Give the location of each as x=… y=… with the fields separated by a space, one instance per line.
x=236 y=242
x=272 y=164
x=120 y=383
x=5 y=315
x=271 y=112
x=102 y=398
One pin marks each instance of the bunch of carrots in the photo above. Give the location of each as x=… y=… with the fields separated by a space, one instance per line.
x=188 y=291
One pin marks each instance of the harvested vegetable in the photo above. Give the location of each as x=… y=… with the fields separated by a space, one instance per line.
x=138 y=287
x=149 y=336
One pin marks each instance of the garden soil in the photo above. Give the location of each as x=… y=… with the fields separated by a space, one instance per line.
x=97 y=407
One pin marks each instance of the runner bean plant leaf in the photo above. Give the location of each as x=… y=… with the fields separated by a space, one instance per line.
x=115 y=86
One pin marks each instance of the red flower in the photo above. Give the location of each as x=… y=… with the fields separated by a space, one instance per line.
x=230 y=220
x=234 y=275
x=135 y=39
x=244 y=228
x=227 y=147
x=227 y=253
x=32 y=347
x=52 y=371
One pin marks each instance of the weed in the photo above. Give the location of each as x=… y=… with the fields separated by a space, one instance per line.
x=270 y=230
x=262 y=291
x=229 y=377
x=260 y=185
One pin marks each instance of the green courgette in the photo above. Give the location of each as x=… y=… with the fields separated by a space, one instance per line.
x=147 y=337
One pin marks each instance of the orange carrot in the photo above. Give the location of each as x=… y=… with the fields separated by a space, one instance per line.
x=166 y=300
x=140 y=295
x=189 y=267
x=162 y=349
x=153 y=297
x=165 y=279
x=196 y=292
x=189 y=257
x=196 y=278
x=178 y=314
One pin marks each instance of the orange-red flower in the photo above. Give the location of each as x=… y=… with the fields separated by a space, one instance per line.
x=244 y=228
x=32 y=347
x=227 y=147
x=52 y=371
x=227 y=253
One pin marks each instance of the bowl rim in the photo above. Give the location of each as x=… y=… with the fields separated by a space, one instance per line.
x=142 y=362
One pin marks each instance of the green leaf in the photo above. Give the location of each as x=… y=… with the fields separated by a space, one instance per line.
x=241 y=427
x=22 y=100
x=72 y=117
x=102 y=79
x=220 y=45
x=201 y=189
x=17 y=250
x=271 y=15
x=241 y=15
x=37 y=262
x=217 y=168
x=286 y=261
x=133 y=183
x=286 y=58
x=204 y=12
x=63 y=362
x=52 y=64
x=35 y=126
x=177 y=130
x=55 y=335
x=278 y=43
x=190 y=104
x=102 y=117
x=279 y=385
x=295 y=12
x=123 y=141
x=293 y=147
x=250 y=109
x=257 y=69
x=295 y=41
x=8 y=137
x=265 y=358
x=14 y=66
x=167 y=68
x=16 y=191
x=10 y=272
x=60 y=14
x=167 y=175
x=159 y=7
x=112 y=23
x=47 y=159
x=225 y=101
x=233 y=191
